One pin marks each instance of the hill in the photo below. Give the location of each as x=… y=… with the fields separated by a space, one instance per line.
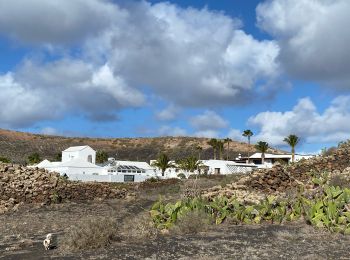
x=17 y=146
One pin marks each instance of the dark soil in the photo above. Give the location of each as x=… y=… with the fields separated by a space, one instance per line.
x=22 y=233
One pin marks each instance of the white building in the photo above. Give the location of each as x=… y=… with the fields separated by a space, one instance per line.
x=227 y=167
x=83 y=153
x=78 y=163
x=271 y=159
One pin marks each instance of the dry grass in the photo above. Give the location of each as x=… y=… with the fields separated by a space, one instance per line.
x=90 y=233
x=138 y=227
x=193 y=222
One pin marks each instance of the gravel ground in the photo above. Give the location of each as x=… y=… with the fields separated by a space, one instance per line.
x=22 y=233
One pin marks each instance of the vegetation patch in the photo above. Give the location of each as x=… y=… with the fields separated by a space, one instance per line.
x=327 y=207
x=90 y=233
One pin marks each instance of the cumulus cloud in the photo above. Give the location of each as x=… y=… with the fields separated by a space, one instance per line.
x=313 y=37
x=46 y=91
x=236 y=135
x=305 y=121
x=55 y=22
x=184 y=58
x=114 y=50
x=209 y=120
x=168 y=114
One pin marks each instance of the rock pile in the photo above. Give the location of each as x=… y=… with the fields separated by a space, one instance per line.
x=19 y=184
x=282 y=178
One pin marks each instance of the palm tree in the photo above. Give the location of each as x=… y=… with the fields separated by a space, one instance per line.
x=228 y=140
x=199 y=149
x=220 y=147
x=292 y=141
x=262 y=148
x=213 y=143
x=189 y=164
x=248 y=133
x=163 y=163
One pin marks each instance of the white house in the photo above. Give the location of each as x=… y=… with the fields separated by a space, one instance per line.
x=227 y=167
x=271 y=159
x=83 y=153
x=78 y=163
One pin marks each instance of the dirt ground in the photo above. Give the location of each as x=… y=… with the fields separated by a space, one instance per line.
x=22 y=233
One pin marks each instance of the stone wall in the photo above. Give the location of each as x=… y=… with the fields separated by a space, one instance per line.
x=283 y=178
x=19 y=184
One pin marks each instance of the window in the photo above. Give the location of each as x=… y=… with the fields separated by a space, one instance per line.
x=217 y=170
x=129 y=178
x=89 y=158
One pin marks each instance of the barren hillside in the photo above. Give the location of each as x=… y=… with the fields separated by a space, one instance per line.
x=17 y=146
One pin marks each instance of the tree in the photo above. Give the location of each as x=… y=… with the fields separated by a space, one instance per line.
x=248 y=133
x=228 y=140
x=292 y=141
x=214 y=144
x=163 y=163
x=220 y=147
x=189 y=164
x=262 y=148
x=199 y=150
x=101 y=157
x=34 y=158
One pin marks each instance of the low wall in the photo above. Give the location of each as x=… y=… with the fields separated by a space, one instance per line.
x=107 y=178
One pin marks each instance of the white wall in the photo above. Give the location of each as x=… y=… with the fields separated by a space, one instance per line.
x=82 y=154
x=105 y=178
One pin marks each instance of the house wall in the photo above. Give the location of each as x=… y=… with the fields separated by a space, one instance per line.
x=82 y=154
x=75 y=170
x=105 y=178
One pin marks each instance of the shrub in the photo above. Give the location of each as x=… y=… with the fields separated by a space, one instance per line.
x=192 y=222
x=138 y=227
x=34 y=158
x=90 y=233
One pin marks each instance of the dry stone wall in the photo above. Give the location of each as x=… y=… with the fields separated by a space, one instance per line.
x=283 y=178
x=19 y=184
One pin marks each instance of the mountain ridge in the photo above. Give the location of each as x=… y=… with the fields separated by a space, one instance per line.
x=17 y=146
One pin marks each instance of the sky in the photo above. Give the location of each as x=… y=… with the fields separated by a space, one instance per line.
x=127 y=68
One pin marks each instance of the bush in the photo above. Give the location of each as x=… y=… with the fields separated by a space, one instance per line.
x=90 y=233
x=192 y=222
x=34 y=158
x=138 y=227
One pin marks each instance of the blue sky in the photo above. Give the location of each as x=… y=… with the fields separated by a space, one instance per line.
x=196 y=68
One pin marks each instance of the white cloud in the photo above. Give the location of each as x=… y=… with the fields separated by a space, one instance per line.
x=313 y=37
x=120 y=49
x=56 y=22
x=305 y=121
x=168 y=114
x=236 y=135
x=209 y=120
x=182 y=56
x=207 y=133
x=172 y=131
x=46 y=91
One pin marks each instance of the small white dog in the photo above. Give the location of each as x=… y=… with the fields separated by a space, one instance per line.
x=47 y=242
